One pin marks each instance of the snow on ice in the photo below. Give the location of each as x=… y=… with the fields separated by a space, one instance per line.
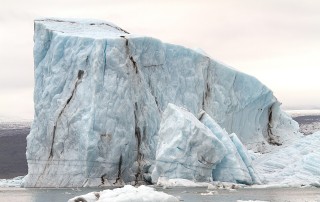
x=127 y=194
x=14 y=182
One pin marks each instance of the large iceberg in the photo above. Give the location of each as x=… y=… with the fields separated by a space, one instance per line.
x=100 y=94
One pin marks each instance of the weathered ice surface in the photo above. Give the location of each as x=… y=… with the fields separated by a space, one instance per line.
x=236 y=165
x=295 y=165
x=100 y=93
x=186 y=148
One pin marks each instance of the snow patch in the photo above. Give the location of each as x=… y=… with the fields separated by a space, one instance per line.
x=126 y=194
x=14 y=182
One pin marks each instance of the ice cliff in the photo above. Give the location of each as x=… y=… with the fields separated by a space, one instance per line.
x=186 y=148
x=100 y=96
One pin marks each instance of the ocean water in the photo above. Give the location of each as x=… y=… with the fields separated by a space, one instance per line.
x=184 y=194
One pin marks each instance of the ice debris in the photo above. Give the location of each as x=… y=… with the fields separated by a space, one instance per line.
x=126 y=194
x=295 y=165
x=14 y=182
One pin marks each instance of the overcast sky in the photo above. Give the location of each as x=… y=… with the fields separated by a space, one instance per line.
x=277 y=41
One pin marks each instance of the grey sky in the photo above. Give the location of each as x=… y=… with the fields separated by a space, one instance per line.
x=277 y=41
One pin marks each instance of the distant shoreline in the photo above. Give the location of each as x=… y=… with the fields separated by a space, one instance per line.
x=303 y=112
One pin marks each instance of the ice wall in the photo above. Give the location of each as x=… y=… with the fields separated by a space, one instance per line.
x=186 y=148
x=236 y=165
x=99 y=97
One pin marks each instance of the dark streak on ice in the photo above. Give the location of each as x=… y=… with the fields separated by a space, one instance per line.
x=102 y=178
x=119 y=170
x=138 y=139
x=118 y=28
x=207 y=90
x=271 y=139
x=80 y=199
x=134 y=64
x=79 y=77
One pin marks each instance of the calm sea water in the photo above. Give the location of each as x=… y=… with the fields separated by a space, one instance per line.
x=184 y=194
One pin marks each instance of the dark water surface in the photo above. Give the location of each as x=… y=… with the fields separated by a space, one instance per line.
x=184 y=194
x=13 y=145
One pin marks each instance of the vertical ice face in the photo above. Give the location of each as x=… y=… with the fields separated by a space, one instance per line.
x=100 y=93
x=236 y=165
x=186 y=148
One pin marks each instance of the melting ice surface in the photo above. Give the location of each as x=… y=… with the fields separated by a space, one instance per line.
x=102 y=112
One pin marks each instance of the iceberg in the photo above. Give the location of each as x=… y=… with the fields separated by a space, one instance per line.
x=100 y=95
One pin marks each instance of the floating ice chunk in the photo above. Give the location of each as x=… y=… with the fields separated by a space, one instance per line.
x=127 y=194
x=178 y=182
x=209 y=193
x=90 y=197
x=186 y=149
